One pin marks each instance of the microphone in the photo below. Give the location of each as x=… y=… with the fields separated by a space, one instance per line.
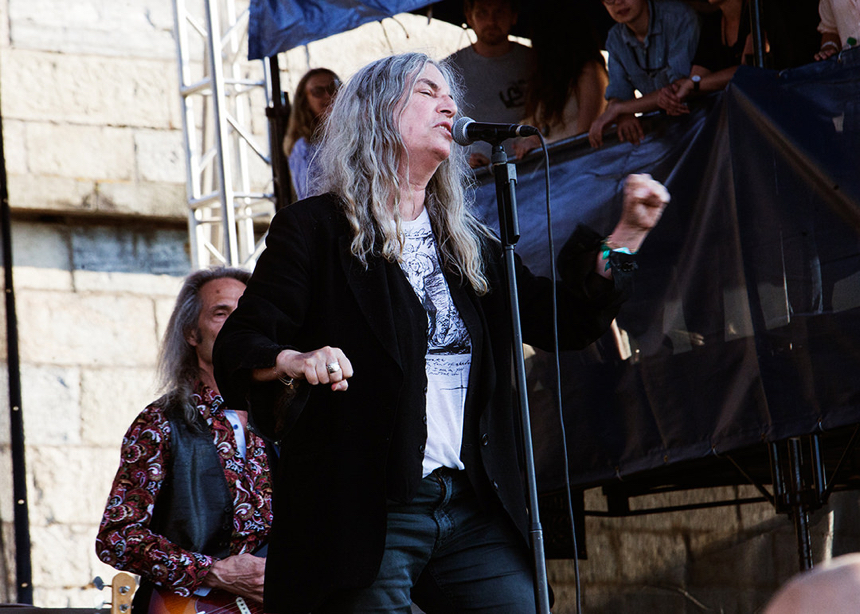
x=466 y=131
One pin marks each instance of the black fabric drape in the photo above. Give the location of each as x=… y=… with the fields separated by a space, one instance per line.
x=744 y=322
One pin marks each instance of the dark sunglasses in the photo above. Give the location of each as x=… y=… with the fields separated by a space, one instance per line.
x=319 y=91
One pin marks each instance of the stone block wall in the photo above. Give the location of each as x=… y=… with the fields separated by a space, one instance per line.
x=722 y=559
x=92 y=303
x=90 y=95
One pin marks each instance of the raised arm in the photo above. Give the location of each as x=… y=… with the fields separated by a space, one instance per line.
x=644 y=202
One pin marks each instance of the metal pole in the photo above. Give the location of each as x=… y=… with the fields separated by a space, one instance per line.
x=799 y=508
x=278 y=113
x=757 y=31
x=510 y=234
x=23 y=566
x=192 y=186
x=225 y=178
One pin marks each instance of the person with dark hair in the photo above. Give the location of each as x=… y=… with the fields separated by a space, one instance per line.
x=565 y=93
x=495 y=69
x=313 y=96
x=724 y=44
x=374 y=342
x=651 y=46
x=191 y=500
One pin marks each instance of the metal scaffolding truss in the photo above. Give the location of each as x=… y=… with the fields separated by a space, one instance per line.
x=221 y=148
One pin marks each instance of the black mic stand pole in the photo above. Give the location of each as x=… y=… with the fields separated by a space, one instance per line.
x=506 y=180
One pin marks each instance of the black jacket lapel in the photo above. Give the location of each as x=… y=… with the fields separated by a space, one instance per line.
x=373 y=295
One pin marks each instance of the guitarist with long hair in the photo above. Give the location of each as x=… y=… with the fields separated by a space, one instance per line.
x=191 y=500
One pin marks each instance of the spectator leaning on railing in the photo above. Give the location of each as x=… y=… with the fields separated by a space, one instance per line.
x=651 y=46
x=724 y=44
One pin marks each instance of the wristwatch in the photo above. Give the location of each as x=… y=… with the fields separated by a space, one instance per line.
x=697 y=81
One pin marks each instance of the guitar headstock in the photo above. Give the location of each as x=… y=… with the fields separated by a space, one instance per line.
x=122 y=589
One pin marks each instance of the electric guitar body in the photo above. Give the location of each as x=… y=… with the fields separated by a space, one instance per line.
x=216 y=602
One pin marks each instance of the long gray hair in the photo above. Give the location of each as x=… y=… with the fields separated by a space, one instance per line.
x=178 y=367
x=361 y=152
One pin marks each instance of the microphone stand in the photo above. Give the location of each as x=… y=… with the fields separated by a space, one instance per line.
x=509 y=228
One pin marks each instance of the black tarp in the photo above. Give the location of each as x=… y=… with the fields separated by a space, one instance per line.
x=744 y=323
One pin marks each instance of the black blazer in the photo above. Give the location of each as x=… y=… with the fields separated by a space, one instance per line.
x=346 y=453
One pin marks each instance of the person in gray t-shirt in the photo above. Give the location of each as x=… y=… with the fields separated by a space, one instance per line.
x=495 y=70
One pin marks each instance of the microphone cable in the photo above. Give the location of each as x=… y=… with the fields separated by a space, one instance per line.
x=558 y=393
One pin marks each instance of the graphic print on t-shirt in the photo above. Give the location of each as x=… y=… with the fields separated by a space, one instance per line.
x=446 y=333
x=449 y=352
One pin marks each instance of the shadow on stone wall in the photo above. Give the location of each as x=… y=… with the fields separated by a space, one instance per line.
x=673 y=563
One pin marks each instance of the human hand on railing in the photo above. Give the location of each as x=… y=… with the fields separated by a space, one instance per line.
x=595 y=133
x=525 y=145
x=629 y=129
x=828 y=49
x=671 y=98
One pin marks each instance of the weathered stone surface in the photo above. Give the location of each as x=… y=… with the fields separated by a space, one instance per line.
x=5 y=419
x=133 y=28
x=739 y=560
x=635 y=597
x=163 y=310
x=85 y=330
x=655 y=556
x=129 y=251
x=56 y=194
x=90 y=90
x=161 y=156
x=101 y=153
x=4 y=28
x=7 y=490
x=735 y=600
x=65 y=194
x=70 y=484
x=71 y=566
x=594 y=500
x=110 y=400
x=61 y=597
x=164 y=200
x=755 y=514
x=51 y=404
x=604 y=558
x=41 y=255
x=127 y=283
x=7 y=564
x=846 y=529
x=14 y=144
x=723 y=518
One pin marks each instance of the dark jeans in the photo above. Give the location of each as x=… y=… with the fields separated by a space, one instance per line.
x=448 y=554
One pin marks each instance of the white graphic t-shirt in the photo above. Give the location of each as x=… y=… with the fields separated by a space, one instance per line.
x=449 y=348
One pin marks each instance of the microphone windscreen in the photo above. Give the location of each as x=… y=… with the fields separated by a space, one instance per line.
x=459 y=131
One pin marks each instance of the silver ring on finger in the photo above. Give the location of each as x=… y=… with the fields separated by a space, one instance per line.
x=332 y=367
